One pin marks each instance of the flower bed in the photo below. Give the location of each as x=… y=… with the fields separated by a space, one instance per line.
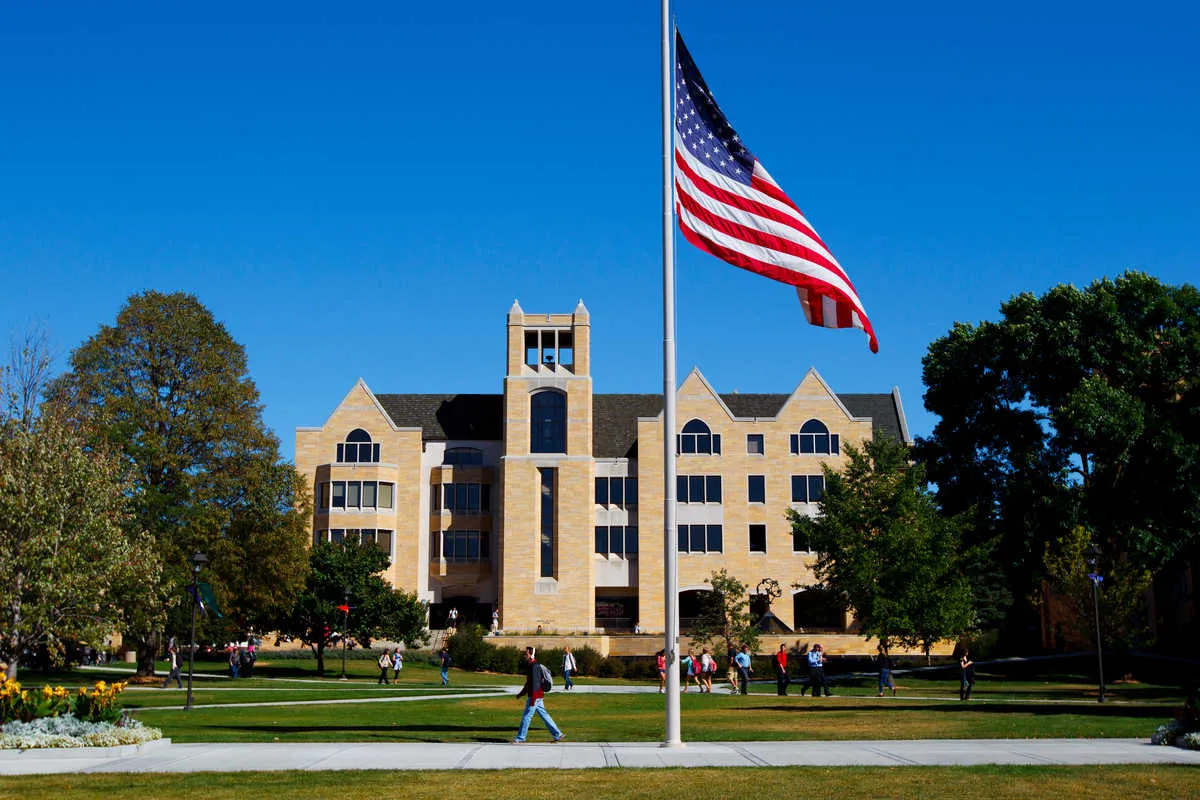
x=67 y=731
x=53 y=717
x=1173 y=733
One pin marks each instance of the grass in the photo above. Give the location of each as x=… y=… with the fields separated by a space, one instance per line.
x=961 y=783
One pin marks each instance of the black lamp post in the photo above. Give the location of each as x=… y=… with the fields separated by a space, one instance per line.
x=198 y=560
x=1093 y=556
x=345 y=625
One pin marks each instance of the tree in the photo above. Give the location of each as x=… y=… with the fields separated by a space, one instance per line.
x=167 y=388
x=25 y=376
x=66 y=564
x=344 y=575
x=725 y=614
x=883 y=545
x=1078 y=407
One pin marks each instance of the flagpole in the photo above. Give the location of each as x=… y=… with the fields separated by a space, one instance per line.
x=670 y=555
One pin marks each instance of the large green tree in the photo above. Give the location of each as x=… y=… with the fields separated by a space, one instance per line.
x=884 y=546
x=345 y=594
x=167 y=387
x=1077 y=407
x=67 y=566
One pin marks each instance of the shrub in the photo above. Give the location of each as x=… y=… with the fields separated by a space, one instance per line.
x=98 y=704
x=67 y=731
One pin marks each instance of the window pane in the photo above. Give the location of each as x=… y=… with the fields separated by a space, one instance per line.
x=369 y=494
x=821 y=443
x=696 y=543
x=375 y=453
x=714 y=539
x=358 y=435
x=473 y=496
x=716 y=439
x=758 y=538
x=757 y=488
x=687 y=444
x=794 y=442
x=682 y=542
x=601 y=491
x=835 y=444
x=460 y=497
x=713 y=493
x=681 y=488
x=385 y=495
x=754 y=444
x=460 y=544
x=617 y=491
x=339 y=494
x=484 y=544
x=816 y=488
x=324 y=495
x=473 y=546
x=448 y=496
x=806 y=443
x=799 y=489
x=631 y=491
x=602 y=540
x=447 y=544
x=383 y=539
x=631 y=540
x=485 y=497
x=616 y=540
x=353 y=494
x=341 y=453
x=336 y=535
x=696 y=489
x=704 y=444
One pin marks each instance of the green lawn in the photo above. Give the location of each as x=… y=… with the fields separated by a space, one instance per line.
x=960 y=783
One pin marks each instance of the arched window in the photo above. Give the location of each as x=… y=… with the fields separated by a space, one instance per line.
x=358 y=448
x=462 y=457
x=548 y=422
x=815 y=439
x=698 y=439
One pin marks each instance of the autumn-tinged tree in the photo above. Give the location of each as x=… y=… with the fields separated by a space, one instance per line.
x=344 y=575
x=1078 y=407
x=167 y=388
x=884 y=546
x=67 y=566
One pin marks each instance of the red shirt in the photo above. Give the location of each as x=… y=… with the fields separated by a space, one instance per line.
x=781 y=659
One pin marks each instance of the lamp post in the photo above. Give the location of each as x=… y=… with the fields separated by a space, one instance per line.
x=1093 y=556
x=198 y=560
x=345 y=625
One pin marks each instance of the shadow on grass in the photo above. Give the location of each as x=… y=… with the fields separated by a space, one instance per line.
x=1083 y=709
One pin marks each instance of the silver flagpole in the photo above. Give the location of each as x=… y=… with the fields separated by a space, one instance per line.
x=670 y=557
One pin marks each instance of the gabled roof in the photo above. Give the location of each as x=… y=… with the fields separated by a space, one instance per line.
x=480 y=417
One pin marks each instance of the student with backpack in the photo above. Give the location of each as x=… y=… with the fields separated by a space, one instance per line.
x=537 y=683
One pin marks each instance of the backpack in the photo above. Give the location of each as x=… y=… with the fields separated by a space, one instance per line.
x=545 y=678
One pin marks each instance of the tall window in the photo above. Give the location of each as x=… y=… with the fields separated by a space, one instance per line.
x=471 y=498
x=815 y=439
x=547 y=513
x=696 y=438
x=808 y=488
x=356 y=495
x=756 y=488
x=616 y=492
x=548 y=422
x=758 y=538
x=617 y=540
x=462 y=457
x=358 y=448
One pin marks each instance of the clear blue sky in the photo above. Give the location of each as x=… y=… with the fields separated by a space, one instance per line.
x=362 y=190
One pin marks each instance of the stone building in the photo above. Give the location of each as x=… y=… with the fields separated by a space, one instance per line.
x=546 y=501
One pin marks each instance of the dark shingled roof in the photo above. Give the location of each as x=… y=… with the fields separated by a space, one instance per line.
x=444 y=417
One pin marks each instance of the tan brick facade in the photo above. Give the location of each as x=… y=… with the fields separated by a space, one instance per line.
x=527 y=539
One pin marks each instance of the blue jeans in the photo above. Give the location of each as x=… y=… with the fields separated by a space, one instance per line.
x=536 y=707
x=567 y=679
x=445 y=676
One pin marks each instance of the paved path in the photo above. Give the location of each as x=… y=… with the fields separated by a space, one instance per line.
x=167 y=757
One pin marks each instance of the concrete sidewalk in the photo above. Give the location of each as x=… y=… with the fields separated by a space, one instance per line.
x=166 y=757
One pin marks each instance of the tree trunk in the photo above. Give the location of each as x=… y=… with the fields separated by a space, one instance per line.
x=147 y=652
x=321 y=660
x=14 y=642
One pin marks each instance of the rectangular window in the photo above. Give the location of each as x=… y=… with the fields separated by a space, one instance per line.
x=756 y=488
x=602 y=540
x=616 y=491
x=754 y=444
x=339 y=494
x=616 y=540
x=631 y=540
x=835 y=444
x=631 y=491
x=601 y=492
x=341 y=453
x=324 y=496
x=386 y=493
x=712 y=486
x=816 y=488
x=700 y=538
x=698 y=488
x=800 y=543
x=714 y=543
x=353 y=494
x=716 y=443
x=473 y=497
x=695 y=488
x=808 y=488
x=696 y=539
x=758 y=538
x=460 y=497
x=799 y=489
x=547 y=527
x=466 y=545
x=370 y=494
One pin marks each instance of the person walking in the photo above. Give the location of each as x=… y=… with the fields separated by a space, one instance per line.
x=886 y=665
x=446 y=662
x=173 y=667
x=234 y=661
x=708 y=665
x=781 y=671
x=568 y=667
x=534 y=692
x=385 y=663
x=397 y=664
x=967 y=678
x=816 y=673
x=744 y=669
x=731 y=669
x=660 y=660
x=689 y=663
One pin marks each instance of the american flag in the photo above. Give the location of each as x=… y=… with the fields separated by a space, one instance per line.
x=729 y=206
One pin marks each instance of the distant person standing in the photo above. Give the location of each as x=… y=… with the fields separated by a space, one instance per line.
x=173 y=667
x=660 y=661
x=816 y=673
x=744 y=669
x=708 y=665
x=568 y=668
x=534 y=692
x=967 y=678
x=886 y=665
x=397 y=664
x=234 y=661
x=452 y=618
x=495 y=621
x=385 y=663
x=446 y=662
x=731 y=669
x=781 y=671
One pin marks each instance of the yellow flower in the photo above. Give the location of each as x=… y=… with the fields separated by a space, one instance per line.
x=100 y=686
x=47 y=692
